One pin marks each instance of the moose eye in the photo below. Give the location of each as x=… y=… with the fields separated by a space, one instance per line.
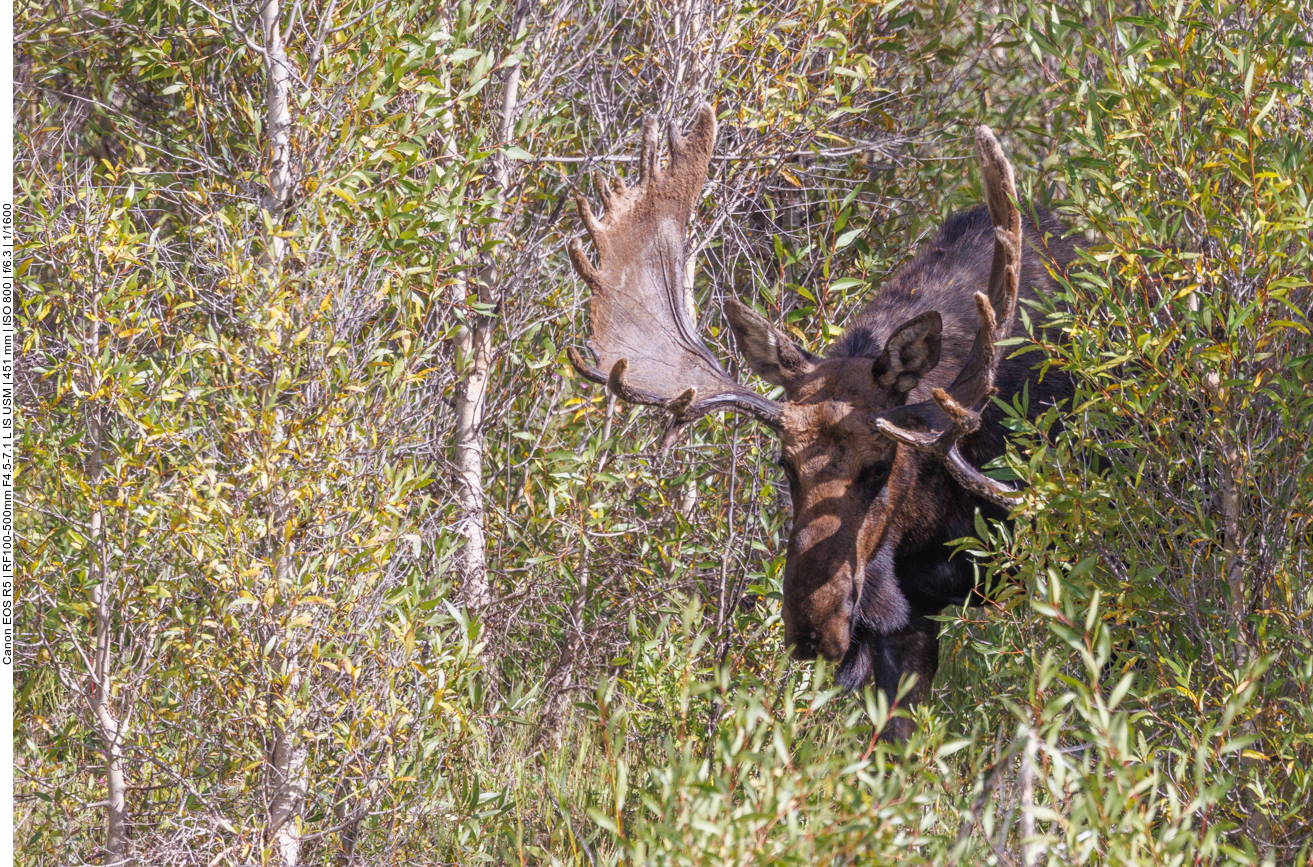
x=873 y=476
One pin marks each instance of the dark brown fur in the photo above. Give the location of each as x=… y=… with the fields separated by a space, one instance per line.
x=937 y=510
x=868 y=559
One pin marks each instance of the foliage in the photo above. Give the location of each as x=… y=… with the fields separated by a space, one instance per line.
x=268 y=451
x=1187 y=152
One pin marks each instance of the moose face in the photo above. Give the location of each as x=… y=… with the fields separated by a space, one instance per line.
x=839 y=479
x=847 y=480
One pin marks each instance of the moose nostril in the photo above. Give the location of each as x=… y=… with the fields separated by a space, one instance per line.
x=807 y=645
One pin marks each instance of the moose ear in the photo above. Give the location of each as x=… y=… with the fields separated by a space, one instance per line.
x=767 y=350
x=910 y=353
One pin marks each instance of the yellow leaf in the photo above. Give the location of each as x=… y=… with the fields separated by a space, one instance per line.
x=342 y=194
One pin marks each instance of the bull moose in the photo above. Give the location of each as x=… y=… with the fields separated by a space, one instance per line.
x=881 y=438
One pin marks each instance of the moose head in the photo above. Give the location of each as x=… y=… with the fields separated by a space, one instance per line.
x=872 y=435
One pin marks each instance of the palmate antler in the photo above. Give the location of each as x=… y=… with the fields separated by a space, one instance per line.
x=641 y=331
x=955 y=412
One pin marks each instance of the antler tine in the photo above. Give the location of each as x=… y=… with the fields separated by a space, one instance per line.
x=955 y=411
x=943 y=444
x=688 y=411
x=604 y=189
x=650 y=150
x=675 y=143
x=592 y=225
x=582 y=266
x=987 y=339
x=685 y=408
x=997 y=310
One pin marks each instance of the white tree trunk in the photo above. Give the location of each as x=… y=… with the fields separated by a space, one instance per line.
x=1031 y=851
x=688 y=496
x=287 y=772
x=278 y=127
x=289 y=783
x=102 y=600
x=473 y=350
x=473 y=359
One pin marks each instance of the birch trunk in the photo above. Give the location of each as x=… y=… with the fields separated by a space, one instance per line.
x=286 y=761
x=688 y=496
x=102 y=602
x=287 y=774
x=473 y=359
x=278 y=127
x=473 y=351
x=1031 y=851
x=288 y=782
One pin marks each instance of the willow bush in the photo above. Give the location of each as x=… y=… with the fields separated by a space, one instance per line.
x=265 y=453
x=1186 y=156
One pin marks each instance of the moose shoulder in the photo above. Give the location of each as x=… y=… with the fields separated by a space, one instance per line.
x=881 y=438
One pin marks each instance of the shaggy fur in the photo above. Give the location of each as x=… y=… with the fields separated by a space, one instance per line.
x=942 y=278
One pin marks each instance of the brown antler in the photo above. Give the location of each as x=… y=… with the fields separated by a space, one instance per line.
x=641 y=325
x=955 y=411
